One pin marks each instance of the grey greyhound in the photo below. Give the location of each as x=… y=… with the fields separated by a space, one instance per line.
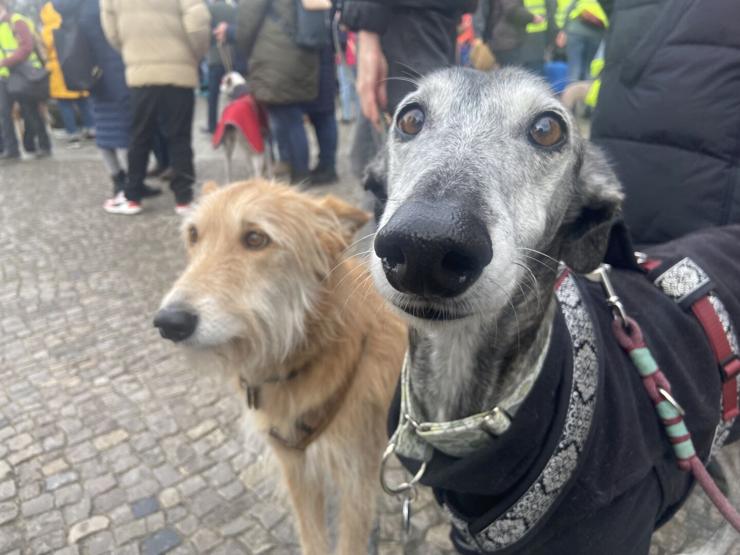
x=516 y=403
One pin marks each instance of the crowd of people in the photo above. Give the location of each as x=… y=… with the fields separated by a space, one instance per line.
x=301 y=56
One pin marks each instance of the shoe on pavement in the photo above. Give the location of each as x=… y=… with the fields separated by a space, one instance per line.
x=320 y=176
x=120 y=205
x=42 y=154
x=183 y=209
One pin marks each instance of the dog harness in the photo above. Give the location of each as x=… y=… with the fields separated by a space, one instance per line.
x=687 y=284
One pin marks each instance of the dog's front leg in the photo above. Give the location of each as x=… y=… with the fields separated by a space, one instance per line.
x=307 y=495
x=357 y=484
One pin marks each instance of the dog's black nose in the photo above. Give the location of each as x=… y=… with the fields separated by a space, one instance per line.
x=176 y=322
x=433 y=250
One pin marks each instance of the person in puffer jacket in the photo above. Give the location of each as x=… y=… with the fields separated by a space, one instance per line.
x=667 y=113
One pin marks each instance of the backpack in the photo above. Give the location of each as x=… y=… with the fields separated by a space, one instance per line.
x=76 y=58
x=313 y=26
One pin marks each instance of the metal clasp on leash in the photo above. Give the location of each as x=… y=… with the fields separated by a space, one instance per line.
x=601 y=275
x=406 y=490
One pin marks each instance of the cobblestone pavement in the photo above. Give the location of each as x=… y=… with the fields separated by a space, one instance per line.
x=109 y=440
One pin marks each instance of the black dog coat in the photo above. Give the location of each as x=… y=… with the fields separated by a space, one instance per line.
x=585 y=466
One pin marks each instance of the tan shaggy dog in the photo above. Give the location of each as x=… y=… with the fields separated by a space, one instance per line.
x=268 y=289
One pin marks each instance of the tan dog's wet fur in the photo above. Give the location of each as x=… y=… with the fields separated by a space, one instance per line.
x=275 y=294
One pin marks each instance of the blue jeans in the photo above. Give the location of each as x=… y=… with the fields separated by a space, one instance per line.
x=325 y=125
x=291 y=137
x=580 y=51
x=347 y=93
x=69 y=116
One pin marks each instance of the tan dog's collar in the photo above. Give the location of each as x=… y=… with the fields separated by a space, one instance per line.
x=312 y=423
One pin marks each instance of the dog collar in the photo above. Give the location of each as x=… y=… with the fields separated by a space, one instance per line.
x=253 y=391
x=415 y=439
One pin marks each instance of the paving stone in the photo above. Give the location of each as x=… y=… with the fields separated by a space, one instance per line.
x=155 y=521
x=100 y=543
x=37 y=505
x=144 y=507
x=77 y=512
x=109 y=500
x=101 y=484
x=7 y=489
x=87 y=527
x=67 y=495
x=19 y=442
x=110 y=440
x=58 y=480
x=191 y=485
x=131 y=530
x=54 y=467
x=204 y=502
x=160 y=542
x=8 y=512
x=169 y=497
x=205 y=540
x=236 y=526
x=5 y=469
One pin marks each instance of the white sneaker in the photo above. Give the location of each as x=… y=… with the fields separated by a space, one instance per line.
x=119 y=205
x=183 y=209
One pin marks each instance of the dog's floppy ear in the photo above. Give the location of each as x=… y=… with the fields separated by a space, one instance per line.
x=375 y=180
x=351 y=218
x=595 y=206
x=209 y=187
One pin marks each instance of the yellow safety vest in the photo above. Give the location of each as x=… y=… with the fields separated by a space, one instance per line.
x=537 y=7
x=592 y=6
x=562 y=12
x=8 y=42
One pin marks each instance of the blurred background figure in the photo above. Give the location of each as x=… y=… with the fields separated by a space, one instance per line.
x=111 y=98
x=504 y=25
x=583 y=25
x=222 y=11
x=345 y=45
x=17 y=46
x=162 y=43
x=72 y=104
x=282 y=75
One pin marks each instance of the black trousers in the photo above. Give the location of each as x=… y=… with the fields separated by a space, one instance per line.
x=169 y=109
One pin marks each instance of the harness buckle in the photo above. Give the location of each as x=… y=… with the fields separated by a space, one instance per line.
x=730 y=366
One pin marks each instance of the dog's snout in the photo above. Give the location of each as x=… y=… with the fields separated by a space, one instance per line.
x=433 y=250
x=176 y=322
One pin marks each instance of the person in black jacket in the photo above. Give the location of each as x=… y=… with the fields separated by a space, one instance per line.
x=667 y=113
x=400 y=39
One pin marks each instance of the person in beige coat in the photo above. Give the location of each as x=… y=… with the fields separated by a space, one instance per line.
x=162 y=42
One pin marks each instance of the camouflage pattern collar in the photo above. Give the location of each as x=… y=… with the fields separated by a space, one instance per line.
x=416 y=439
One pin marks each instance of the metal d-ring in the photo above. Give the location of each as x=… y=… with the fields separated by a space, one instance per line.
x=671 y=400
x=403 y=487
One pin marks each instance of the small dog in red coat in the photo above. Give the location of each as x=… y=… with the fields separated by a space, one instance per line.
x=244 y=123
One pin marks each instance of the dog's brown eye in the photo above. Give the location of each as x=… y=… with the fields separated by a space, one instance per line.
x=547 y=131
x=411 y=121
x=192 y=234
x=255 y=240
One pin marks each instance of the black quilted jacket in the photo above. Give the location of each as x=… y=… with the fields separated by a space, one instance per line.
x=668 y=113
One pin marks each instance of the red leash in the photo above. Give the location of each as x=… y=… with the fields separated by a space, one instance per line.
x=629 y=336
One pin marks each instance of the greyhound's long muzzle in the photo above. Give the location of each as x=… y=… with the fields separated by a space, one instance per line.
x=433 y=249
